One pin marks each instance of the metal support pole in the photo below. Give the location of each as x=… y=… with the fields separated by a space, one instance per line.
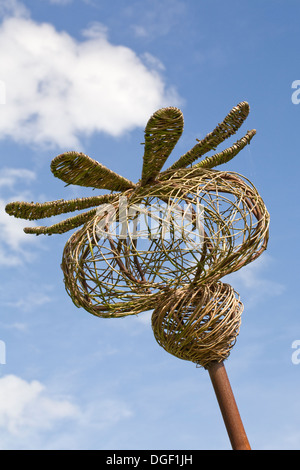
x=228 y=407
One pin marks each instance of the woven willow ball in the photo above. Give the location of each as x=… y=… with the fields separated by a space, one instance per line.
x=224 y=223
x=195 y=227
x=102 y=279
x=199 y=325
x=121 y=267
x=204 y=225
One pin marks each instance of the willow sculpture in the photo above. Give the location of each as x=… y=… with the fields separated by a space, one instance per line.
x=164 y=243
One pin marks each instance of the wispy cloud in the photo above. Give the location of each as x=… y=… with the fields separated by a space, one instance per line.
x=30 y=301
x=256 y=280
x=155 y=18
x=61 y=2
x=9 y=176
x=70 y=88
x=13 y=7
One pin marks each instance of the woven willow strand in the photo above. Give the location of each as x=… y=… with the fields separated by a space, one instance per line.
x=77 y=168
x=162 y=132
x=227 y=128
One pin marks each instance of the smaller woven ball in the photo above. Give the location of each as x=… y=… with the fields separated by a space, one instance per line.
x=198 y=325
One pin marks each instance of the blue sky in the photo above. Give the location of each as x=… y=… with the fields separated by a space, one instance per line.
x=86 y=76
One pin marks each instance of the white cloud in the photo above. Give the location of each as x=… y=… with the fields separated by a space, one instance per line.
x=33 y=417
x=58 y=88
x=12 y=237
x=26 y=407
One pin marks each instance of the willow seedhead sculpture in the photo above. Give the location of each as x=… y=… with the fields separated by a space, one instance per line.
x=207 y=223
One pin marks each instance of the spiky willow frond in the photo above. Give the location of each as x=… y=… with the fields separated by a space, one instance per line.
x=78 y=168
x=36 y=210
x=227 y=154
x=63 y=226
x=162 y=132
x=227 y=128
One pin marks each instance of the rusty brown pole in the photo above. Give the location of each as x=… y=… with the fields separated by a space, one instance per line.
x=228 y=407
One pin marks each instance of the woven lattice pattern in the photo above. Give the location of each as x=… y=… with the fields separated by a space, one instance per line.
x=199 y=325
x=212 y=224
x=165 y=242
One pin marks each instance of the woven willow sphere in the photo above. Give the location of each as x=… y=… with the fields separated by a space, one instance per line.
x=193 y=227
x=182 y=228
x=199 y=325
